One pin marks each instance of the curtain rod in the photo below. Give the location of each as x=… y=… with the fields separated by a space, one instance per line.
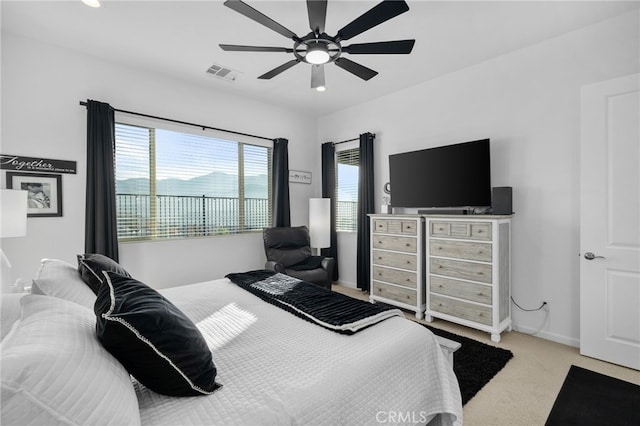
x=203 y=127
x=351 y=140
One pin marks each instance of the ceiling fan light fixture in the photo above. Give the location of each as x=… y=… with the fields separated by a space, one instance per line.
x=321 y=88
x=317 y=54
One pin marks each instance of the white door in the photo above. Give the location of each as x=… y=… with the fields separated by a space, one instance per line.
x=610 y=221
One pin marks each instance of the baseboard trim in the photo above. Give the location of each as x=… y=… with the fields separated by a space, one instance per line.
x=558 y=338
x=344 y=284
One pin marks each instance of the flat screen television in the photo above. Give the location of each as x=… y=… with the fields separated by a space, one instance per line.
x=452 y=176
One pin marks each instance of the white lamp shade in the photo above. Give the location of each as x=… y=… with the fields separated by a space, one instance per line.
x=320 y=222
x=13 y=207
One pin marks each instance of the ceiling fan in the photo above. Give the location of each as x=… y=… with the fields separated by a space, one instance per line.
x=318 y=48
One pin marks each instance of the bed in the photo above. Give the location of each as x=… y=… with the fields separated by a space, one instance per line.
x=274 y=367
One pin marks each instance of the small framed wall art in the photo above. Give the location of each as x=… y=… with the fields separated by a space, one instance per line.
x=297 y=176
x=44 y=196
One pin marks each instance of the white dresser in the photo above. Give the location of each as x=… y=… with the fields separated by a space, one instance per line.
x=468 y=271
x=398 y=261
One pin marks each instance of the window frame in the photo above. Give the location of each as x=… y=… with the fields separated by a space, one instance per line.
x=240 y=140
x=353 y=146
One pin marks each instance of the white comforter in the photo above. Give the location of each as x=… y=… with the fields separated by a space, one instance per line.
x=281 y=370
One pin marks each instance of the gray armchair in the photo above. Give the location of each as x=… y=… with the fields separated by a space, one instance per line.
x=288 y=251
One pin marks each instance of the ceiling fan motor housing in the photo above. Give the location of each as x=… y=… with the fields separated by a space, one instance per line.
x=311 y=42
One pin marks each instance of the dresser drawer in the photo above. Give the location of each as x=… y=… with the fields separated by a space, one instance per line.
x=386 y=242
x=395 y=260
x=461 y=309
x=399 y=294
x=403 y=278
x=460 y=249
x=466 y=230
x=461 y=289
x=459 y=269
x=395 y=226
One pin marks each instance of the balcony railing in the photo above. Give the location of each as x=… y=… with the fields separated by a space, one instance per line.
x=181 y=216
x=347 y=216
x=177 y=216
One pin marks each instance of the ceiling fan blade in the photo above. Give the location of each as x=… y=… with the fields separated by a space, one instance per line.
x=317 y=15
x=397 y=47
x=278 y=70
x=355 y=68
x=259 y=17
x=237 y=48
x=375 y=16
x=317 y=76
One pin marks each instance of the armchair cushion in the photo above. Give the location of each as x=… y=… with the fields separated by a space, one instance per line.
x=311 y=262
x=287 y=246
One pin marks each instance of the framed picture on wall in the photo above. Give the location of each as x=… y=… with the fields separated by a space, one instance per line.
x=44 y=196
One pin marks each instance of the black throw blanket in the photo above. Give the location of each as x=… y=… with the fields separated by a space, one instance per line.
x=333 y=311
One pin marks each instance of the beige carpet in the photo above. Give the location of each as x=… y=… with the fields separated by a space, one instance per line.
x=524 y=391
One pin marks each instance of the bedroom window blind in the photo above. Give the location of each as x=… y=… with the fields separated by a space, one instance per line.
x=179 y=185
x=347 y=189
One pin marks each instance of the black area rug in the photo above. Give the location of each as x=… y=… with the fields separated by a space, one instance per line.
x=589 y=398
x=475 y=363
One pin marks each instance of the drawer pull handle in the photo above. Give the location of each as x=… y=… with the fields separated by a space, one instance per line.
x=480 y=273
x=379 y=242
x=379 y=257
x=408 y=279
x=439 y=266
x=440 y=286
x=480 y=294
x=479 y=231
x=408 y=262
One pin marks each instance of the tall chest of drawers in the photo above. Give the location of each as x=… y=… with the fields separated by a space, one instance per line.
x=397 y=261
x=468 y=271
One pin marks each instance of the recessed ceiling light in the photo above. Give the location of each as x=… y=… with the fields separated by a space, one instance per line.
x=91 y=3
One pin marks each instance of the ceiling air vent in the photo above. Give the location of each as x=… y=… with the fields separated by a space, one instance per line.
x=223 y=73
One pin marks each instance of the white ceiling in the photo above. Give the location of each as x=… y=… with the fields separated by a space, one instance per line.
x=180 y=39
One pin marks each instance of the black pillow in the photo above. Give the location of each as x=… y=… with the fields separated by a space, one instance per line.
x=90 y=267
x=152 y=338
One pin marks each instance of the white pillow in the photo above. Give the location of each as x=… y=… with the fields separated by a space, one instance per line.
x=54 y=370
x=60 y=279
x=9 y=311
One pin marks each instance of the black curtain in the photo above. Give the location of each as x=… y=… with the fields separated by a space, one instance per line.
x=329 y=191
x=366 y=206
x=280 y=183
x=101 y=231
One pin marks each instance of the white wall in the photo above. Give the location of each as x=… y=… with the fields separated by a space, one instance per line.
x=41 y=117
x=528 y=103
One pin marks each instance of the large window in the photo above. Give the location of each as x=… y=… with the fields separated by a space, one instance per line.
x=176 y=185
x=347 y=189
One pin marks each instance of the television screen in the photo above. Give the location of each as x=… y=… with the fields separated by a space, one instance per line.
x=448 y=176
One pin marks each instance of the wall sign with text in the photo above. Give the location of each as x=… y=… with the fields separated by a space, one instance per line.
x=35 y=164
x=298 y=176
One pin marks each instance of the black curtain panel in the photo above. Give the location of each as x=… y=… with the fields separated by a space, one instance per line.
x=366 y=206
x=329 y=191
x=280 y=183
x=101 y=231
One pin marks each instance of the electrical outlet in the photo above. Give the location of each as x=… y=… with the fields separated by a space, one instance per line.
x=545 y=305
